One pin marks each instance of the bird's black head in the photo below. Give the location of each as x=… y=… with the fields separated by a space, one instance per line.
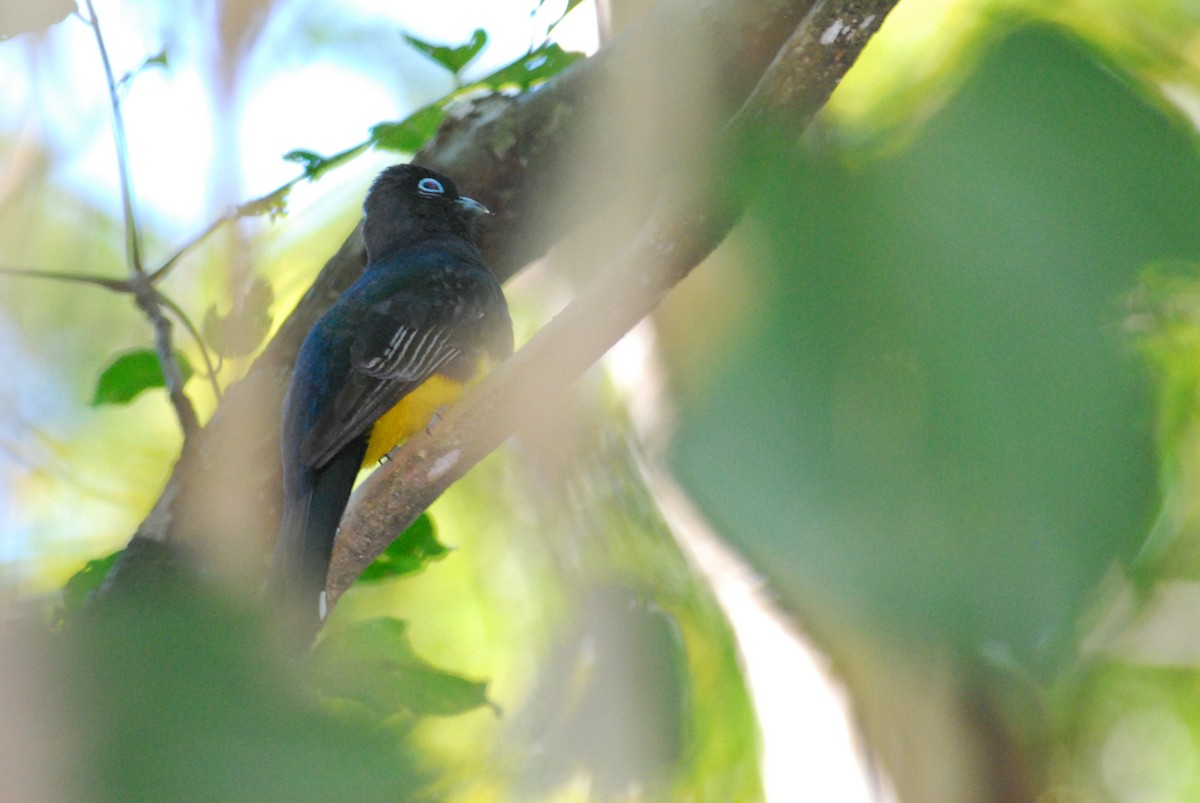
x=408 y=204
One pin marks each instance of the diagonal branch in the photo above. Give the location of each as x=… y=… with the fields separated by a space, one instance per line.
x=688 y=223
x=513 y=153
x=272 y=203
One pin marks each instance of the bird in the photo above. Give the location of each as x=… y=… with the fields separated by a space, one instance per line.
x=424 y=320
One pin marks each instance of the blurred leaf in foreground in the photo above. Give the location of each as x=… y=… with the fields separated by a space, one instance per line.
x=179 y=696
x=373 y=663
x=933 y=423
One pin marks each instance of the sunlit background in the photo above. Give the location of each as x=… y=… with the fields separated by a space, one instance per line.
x=946 y=380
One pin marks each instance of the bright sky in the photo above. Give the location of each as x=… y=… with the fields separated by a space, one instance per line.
x=297 y=91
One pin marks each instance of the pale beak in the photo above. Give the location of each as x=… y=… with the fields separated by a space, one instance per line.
x=471 y=207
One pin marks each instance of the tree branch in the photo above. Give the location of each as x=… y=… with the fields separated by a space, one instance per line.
x=116 y=285
x=133 y=245
x=692 y=219
x=516 y=155
x=128 y=287
x=209 y=369
x=144 y=293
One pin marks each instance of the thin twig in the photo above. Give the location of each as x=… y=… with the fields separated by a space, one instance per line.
x=127 y=287
x=144 y=293
x=133 y=244
x=150 y=302
x=250 y=208
x=171 y=261
x=116 y=285
x=209 y=368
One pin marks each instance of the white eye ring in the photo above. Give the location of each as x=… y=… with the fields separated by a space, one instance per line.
x=430 y=186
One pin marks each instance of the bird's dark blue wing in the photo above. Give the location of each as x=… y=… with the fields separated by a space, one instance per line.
x=426 y=304
x=439 y=314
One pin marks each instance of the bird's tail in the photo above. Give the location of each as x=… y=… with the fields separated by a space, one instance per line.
x=313 y=506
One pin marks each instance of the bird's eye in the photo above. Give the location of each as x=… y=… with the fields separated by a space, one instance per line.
x=430 y=186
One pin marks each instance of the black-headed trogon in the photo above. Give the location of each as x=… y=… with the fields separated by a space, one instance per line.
x=422 y=321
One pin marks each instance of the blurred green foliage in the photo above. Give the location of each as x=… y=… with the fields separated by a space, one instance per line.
x=531 y=69
x=608 y=664
x=408 y=135
x=82 y=584
x=372 y=664
x=935 y=423
x=932 y=423
x=179 y=696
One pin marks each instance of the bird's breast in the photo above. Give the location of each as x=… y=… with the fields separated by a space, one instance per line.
x=411 y=414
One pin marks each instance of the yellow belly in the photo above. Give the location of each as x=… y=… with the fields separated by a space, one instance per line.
x=413 y=413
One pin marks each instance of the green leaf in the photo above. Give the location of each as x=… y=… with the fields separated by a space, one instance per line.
x=533 y=68
x=950 y=432
x=131 y=373
x=416 y=547
x=452 y=58
x=372 y=663
x=410 y=134
x=241 y=331
x=315 y=165
x=76 y=590
x=570 y=7
x=312 y=162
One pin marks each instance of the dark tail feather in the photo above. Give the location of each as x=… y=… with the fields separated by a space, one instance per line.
x=313 y=507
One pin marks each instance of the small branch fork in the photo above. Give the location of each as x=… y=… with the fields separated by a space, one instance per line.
x=143 y=287
x=691 y=219
x=141 y=284
x=145 y=294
